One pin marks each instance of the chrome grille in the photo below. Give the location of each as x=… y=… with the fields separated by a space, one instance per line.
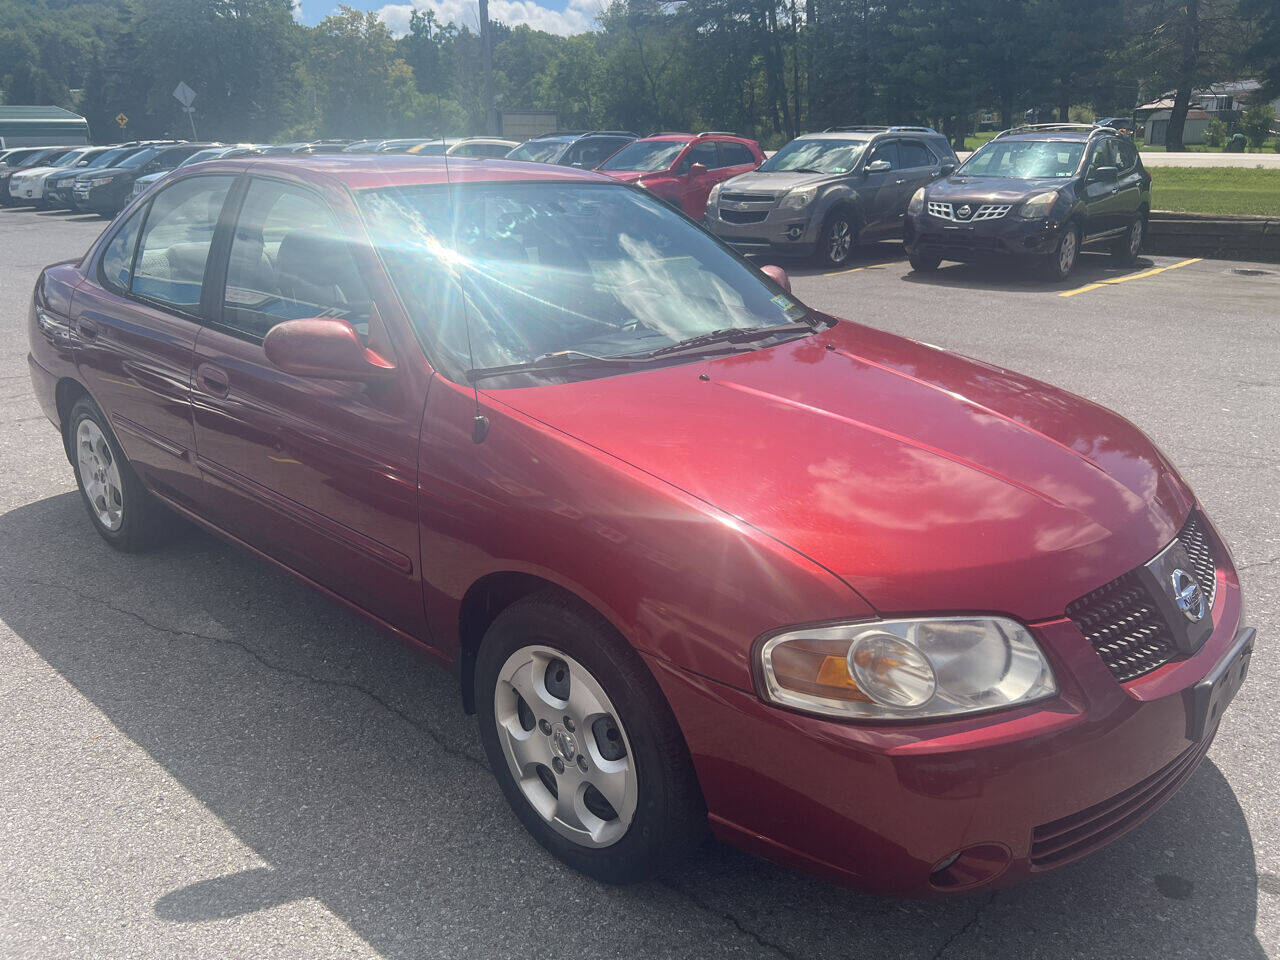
x=986 y=211
x=1122 y=621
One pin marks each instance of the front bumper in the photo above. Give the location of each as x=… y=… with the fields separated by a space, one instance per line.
x=105 y=198
x=764 y=228
x=1008 y=236
x=58 y=195
x=24 y=190
x=1021 y=791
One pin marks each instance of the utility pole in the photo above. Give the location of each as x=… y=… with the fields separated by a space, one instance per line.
x=486 y=63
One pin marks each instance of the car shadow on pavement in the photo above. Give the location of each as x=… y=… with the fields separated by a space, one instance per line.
x=1013 y=277
x=865 y=256
x=346 y=763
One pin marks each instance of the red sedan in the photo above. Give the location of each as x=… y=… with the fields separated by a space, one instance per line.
x=681 y=168
x=697 y=553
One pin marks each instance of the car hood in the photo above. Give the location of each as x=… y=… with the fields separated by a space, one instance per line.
x=992 y=189
x=27 y=172
x=113 y=171
x=777 y=182
x=926 y=480
x=631 y=176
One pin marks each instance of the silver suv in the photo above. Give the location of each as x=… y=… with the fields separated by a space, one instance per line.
x=824 y=192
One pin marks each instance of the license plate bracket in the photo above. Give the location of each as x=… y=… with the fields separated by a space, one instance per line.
x=1208 y=699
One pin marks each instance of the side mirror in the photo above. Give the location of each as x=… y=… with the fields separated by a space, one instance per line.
x=697 y=170
x=878 y=166
x=323 y=347
x=1105 y=173
x=948 y=168
x=777 y=275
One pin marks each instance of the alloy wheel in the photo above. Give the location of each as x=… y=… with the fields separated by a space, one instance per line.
x=565 y=746
x=100 y=475
x=1067 y=253
x=1135 y=238
x=839 y=241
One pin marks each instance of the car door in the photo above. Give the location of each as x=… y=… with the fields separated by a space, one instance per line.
x=879 y=189
x=696 y=187
x=319 y=474
x=918 y=168
x=735 y=158
x=135 y=323
x=1101 y=204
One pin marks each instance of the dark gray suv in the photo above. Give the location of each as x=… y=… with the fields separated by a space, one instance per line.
x=824 y=192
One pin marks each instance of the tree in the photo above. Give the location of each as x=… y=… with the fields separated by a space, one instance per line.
x=1256 y=123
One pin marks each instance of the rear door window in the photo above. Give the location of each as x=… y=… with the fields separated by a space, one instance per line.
x=176 y=237
x=735 y=155
x=913 y=153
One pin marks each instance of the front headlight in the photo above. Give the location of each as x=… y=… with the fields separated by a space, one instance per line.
x=1038 y=206
x=904 y=669
x=798 y=199
x=916 y=203
x=713 y=198
x=99 y=181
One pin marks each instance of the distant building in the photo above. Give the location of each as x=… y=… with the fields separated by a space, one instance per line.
x=41 y=126
x=1224 y=100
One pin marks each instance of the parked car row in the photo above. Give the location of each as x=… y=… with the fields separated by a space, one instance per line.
x=697 y=555
x=1038 y=193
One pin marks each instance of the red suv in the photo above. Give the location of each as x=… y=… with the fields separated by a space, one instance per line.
x=681 y=168
x=697 y=553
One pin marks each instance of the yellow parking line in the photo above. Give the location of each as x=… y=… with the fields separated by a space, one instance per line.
x=869 y=266
x=1133 y=276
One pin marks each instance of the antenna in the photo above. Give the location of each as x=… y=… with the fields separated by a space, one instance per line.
x=480 y=423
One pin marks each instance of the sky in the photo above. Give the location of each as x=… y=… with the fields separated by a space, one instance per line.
x=554 y=16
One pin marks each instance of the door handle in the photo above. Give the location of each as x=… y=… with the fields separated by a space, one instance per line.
x=213 y=379
x=903 y=180
x=88 y=328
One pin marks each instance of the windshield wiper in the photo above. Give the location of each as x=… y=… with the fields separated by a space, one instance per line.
x=727 y=335
x=551 y=363
x=802 y=170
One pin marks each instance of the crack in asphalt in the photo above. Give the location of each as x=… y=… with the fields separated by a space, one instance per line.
x=968 y=925
x=447 y=748
x=1257 y=563
x=729 y=918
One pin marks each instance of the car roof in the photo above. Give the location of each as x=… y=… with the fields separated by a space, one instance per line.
x=358 y=171
x=1075 y=136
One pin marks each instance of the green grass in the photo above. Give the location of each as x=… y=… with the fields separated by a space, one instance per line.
x=1268 y=146
x=1216 y=190
x=975 y=140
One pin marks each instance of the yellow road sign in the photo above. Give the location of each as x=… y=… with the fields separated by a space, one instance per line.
x=122 y=120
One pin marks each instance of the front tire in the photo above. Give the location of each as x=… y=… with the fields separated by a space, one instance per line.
x=583 y=744
x=923 y=262
x=124 y=513
x=1059 y=264
x=838 y=237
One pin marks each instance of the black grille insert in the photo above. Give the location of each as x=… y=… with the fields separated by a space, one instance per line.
x=1122 y=621
x=743 y=216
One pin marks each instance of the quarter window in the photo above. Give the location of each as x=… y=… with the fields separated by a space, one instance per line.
x=289 y=260
x=175 y=241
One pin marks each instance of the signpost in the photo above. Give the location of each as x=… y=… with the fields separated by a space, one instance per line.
x=121 y=120
x=186 y=96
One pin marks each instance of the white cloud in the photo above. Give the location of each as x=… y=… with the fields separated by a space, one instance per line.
x=578 y=17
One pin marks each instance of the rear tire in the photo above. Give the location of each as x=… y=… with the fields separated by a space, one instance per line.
x=1059 y=264
x=121 y=509
x=546 y=667
x=1125 y=250
x=923 y=262
x=836 y=240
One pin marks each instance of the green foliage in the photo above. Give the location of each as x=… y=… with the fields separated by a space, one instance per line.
x=1215 y=132
x=1257 y=122
x=766 y=68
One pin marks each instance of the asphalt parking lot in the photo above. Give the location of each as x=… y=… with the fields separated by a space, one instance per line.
x=204 y=759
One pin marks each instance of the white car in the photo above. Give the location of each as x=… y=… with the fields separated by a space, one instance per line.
x=28 y=185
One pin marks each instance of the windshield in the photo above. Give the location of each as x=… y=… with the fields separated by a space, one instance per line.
x=139 y=158
x=110 y=157
x=646 y=155
x=820 y=156
x=1025 y=159
x=546 y=267
x=539 y=151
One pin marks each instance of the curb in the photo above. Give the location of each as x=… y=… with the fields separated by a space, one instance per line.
x=1219 y=237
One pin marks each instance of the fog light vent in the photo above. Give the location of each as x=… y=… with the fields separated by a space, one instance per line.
x=970 y=867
